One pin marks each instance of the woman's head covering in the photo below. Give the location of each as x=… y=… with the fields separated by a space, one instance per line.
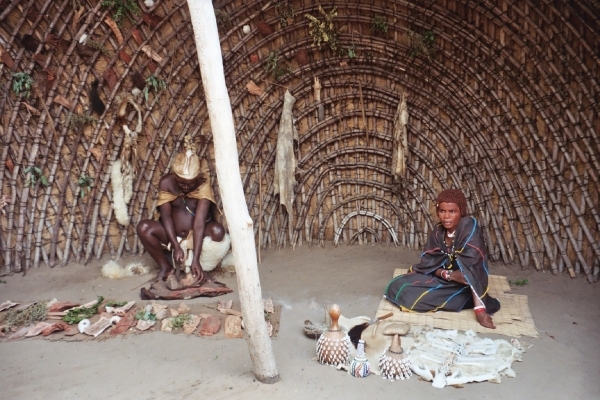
x=455 y=196
x=186 y=165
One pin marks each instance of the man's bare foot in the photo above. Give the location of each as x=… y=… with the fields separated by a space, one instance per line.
x=485 y=320
x=163 y=274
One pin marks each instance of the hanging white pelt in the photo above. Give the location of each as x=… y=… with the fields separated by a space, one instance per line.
x=123 y=169
x=285 y=160
x=400 y=148
x=457 y=358
x=112 y=270
x=118 y=182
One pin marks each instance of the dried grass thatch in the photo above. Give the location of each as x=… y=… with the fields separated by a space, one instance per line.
x=506 y=108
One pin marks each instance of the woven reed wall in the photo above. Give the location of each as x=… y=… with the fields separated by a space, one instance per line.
x=503 y=103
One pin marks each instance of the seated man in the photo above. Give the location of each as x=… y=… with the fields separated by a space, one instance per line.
x=453 y=272
x=185 y=202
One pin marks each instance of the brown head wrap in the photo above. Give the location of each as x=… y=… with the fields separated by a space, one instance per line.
x=455 y=196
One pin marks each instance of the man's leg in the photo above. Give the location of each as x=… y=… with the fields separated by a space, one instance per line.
x=152 y=235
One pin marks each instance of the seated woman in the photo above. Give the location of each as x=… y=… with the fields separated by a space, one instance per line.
x=453 y=272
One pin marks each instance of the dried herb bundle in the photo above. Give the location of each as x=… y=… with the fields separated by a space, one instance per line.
x=77 y=121
x=36 y=312
x=180 y=320
x=323 y=32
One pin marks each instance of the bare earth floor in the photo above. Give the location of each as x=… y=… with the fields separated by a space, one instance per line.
x=564 y=362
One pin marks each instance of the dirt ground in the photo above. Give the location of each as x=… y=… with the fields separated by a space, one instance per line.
x=564 y=362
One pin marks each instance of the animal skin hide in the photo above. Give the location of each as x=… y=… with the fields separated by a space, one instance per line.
x=112 y=270
x=443 y=357
x=400 y=140
x=118 y=186
x=457 y=358
x=123 y=170
x=285 y=159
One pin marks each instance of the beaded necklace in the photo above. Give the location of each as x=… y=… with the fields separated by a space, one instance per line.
x=186 y=207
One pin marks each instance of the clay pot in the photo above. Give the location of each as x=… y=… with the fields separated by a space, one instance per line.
x=302 y=57
x=264 y=28
x=254 y=58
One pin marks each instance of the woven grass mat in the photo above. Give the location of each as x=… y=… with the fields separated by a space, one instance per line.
x=196 y=309
x=513 y=319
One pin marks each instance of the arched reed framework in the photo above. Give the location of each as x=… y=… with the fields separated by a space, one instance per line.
x=503 y=98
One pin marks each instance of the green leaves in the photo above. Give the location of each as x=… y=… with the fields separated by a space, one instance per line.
x=519 y=282
x=351 y=51
x=274 y=67
x=33 y=175
x=145 y=315
x=422 y=45
x=153 y=82
x=22 y=83
x=180 y=320
x=85 y=183
x=121 y=8
x=76 y=315
x=379 y=24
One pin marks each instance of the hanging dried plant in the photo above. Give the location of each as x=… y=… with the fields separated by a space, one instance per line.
x=223 y=19
x=98 y=46
x=22 y=83
x=78 y=121
x=153 y=82
x=35 y=176
x=85 y=183
x=323 y=31
x=422 y=45
x=285 y=12
x=274 y=67
x=379 y=25
x=122 y=8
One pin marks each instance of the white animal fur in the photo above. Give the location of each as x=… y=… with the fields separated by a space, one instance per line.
x=112 y=270
x=228 y=260
x=213 y=252
x=118 y=186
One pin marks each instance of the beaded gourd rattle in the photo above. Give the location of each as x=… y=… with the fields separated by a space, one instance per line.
x=333 y=346
x=394 y=363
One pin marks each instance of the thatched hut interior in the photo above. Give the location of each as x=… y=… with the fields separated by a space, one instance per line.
x=395 y=101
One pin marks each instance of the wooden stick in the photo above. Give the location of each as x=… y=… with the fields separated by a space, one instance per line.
x=259 y=208
x=362 y=106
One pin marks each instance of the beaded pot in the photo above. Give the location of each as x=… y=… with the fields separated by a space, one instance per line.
x=333 y=346
x=360 y=366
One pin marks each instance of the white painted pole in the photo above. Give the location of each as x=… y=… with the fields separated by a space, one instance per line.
x=239 y=222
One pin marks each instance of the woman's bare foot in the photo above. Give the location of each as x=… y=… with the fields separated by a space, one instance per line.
x=485 y=320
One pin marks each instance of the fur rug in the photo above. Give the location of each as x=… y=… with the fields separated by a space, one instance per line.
x=112 y=270
x=213 y=252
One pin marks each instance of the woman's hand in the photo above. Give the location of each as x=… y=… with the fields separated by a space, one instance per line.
x=485 y=320
x=458 y=276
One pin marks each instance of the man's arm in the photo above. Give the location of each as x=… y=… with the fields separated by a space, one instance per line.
x=202 y=209
x=166 y=221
